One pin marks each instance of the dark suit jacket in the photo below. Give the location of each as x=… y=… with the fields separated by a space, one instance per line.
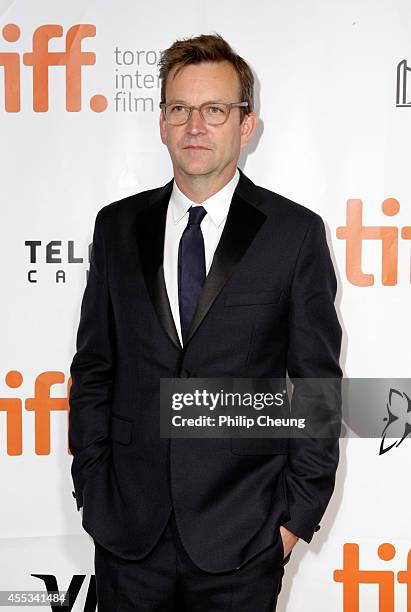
x=267 y=308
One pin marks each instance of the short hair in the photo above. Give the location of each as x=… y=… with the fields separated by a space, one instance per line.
x=207 y=48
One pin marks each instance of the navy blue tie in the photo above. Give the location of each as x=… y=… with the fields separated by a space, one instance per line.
x=191 y=268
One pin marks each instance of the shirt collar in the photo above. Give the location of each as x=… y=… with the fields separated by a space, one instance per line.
x=216 y=205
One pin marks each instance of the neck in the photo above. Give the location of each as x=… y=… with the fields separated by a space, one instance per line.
x=200 y=187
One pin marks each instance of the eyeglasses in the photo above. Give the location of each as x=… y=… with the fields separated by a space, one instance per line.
x=212 y=113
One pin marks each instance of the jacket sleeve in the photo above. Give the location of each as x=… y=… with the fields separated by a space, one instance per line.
x=92 y=370
x=313 y=352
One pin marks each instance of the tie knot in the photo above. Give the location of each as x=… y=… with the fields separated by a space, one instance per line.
x=196 y=215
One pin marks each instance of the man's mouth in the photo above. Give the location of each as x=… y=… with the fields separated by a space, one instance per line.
x=195 y=147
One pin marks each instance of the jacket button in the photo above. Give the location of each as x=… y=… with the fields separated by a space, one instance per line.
x=317 y=528
x=184 y=374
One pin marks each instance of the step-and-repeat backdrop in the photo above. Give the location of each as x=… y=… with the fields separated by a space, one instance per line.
x=79 y=94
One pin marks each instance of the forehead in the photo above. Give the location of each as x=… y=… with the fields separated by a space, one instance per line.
x=202 y=82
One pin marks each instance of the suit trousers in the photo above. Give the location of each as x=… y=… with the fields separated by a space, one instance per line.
x=167 y=580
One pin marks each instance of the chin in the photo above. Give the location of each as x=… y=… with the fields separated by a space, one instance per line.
x=195 y=168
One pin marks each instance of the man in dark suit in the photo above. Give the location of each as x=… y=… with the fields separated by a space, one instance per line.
x=207 y=276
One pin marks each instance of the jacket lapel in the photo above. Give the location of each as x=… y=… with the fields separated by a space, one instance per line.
x=241 y=227
x=151 y=225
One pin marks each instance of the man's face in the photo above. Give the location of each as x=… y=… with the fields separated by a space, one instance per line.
x=193 y=85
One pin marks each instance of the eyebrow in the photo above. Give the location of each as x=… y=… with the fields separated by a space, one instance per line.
x=179 y=101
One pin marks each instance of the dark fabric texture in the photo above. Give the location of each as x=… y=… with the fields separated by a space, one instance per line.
x=266 y=308
x=167 y=580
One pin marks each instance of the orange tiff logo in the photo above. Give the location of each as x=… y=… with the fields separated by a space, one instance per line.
x=40 y=59
x=352 y=577
x=354 y=232
x=41 y=405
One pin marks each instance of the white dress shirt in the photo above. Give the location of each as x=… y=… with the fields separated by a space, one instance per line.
x=211 y=227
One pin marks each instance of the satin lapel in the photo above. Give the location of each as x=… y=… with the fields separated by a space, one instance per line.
x=242 y=225
x=151 y=223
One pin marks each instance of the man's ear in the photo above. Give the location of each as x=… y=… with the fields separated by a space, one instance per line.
x=248 y=128
x=163 y=129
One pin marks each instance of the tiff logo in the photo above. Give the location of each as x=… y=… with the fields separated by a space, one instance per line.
x=42 y=404
x=351 y=577
x=354 y=233
x=40 y=59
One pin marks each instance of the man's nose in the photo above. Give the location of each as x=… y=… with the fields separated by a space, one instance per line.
x=196 y=123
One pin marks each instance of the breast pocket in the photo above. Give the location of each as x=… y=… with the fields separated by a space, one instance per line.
x=250 y=298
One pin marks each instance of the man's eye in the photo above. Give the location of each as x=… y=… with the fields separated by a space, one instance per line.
x=177 y=108
x=214 y=110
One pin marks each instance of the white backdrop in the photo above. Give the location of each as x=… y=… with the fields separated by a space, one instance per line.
x=330 y=131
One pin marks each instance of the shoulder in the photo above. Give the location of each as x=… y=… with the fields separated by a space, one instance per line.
x=129 y=207
x=281 y=206
x=287 y=217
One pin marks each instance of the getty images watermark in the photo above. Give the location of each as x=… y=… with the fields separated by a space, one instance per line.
x=258 y=408
x=281 y=408
x=222 y=403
